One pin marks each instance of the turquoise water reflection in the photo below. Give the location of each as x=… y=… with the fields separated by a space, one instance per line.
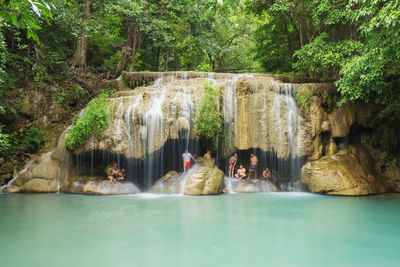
x=282 y=229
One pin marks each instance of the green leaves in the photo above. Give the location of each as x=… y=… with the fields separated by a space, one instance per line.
x=208 y=121
x=325 y=55
x=27 y=140
x=94 y=120
x=304 y=101
x=367 y=76
x=22 y=14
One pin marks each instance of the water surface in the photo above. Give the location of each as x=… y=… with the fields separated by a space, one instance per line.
x=280 y=229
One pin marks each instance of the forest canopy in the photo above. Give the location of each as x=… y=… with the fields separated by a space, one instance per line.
x=57 y=47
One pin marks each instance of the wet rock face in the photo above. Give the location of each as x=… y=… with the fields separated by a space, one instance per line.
x=348 y=172
x=99 y=188
x=203 y=179
x=43 y=174
x=171 y=183
x=391 y=176
x=341 y=119
x=251 y=186
x=259 y=111
x=40 y=176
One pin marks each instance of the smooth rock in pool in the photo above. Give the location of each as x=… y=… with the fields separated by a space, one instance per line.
x=171 y=183
x=40 y=176
x=99 y=188
x=203 y=179
x=347 y=173
x=251 y=186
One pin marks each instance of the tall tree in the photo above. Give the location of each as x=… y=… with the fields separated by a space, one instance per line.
x=80 y=55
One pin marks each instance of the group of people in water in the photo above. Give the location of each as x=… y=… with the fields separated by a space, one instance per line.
x=241 y=171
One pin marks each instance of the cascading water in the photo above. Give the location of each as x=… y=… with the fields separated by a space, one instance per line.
x=284 y=108
x=153 y=125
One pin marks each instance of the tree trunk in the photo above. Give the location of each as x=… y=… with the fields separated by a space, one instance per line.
x=133 y=55
x=126 y=51
x=211 y=61
x=289 y=43
x=137 y=40
x=302 y=23
x=301 y=37
x=80 y=54
x=157 y=65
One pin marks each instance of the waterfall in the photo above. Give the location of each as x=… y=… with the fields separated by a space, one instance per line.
x=284 y=108
x=151 y=126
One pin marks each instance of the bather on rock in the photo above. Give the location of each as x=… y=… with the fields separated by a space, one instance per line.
x=114 y=173
x=253 y=166
x=241 y=173
x=267 y=175
x=186 y=160
x=232 y=165
x=209 y=156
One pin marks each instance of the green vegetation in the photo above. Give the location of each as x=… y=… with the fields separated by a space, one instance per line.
x=59 y=50
x=354 y=43
x=304 y=101
x=94 y=120
x=208 y=121
x=24 y=140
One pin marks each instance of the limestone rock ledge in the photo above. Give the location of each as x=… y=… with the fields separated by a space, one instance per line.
x=253 y=186
x=348 y=173
x=171 y=183
x=203 y=179
x=99 y=188
x=42 y=174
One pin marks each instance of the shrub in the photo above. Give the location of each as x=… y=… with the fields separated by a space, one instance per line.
x=208 y=121
x=304 y=102
x=25 y=140
x=94 y=121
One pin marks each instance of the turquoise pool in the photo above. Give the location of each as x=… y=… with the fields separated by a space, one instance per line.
x=279 y=229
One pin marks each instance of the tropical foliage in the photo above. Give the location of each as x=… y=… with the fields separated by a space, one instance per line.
x=94 y=121
x=208 y=121
x=354 y=43
x=57 y=48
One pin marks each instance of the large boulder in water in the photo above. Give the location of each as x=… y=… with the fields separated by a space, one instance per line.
x=252 y=186
x=204 y=179
x=39 y=176
x=99 y=188
x=348 y=172
x=43 y=173
x=171 y=183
